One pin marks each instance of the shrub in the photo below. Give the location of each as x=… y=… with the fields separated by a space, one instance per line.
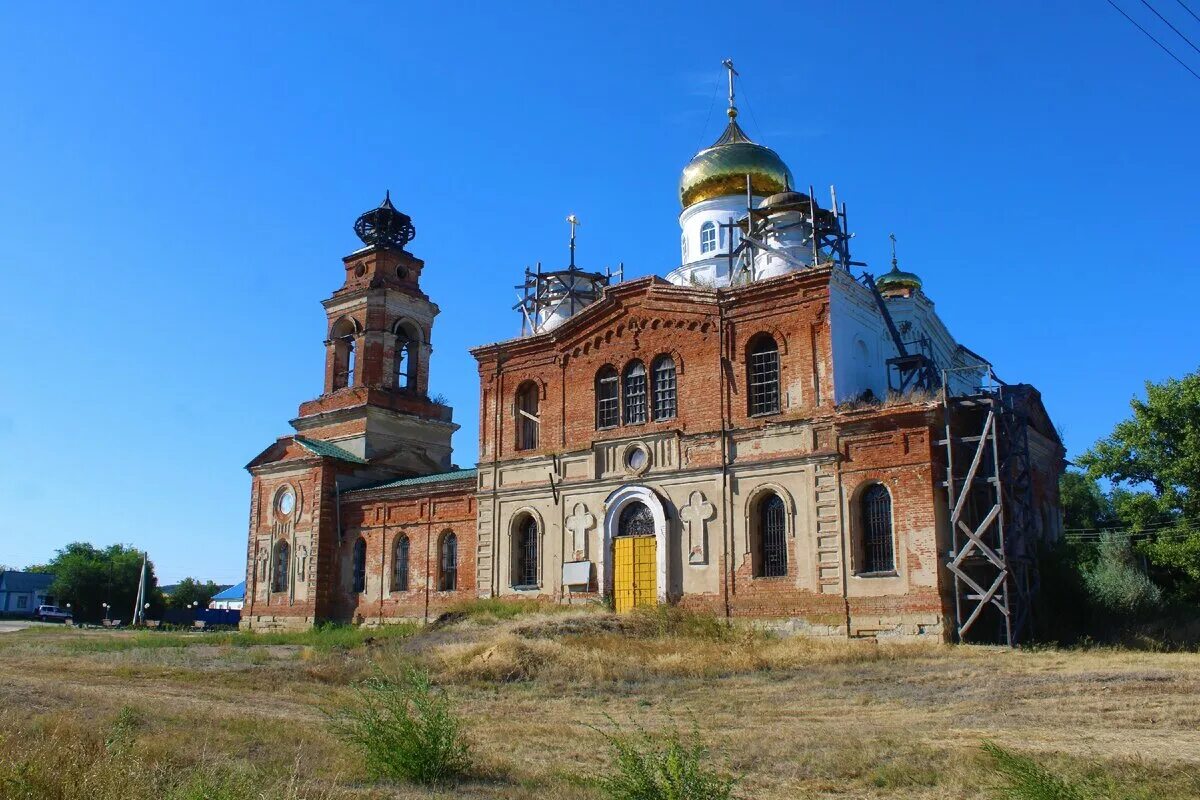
x=1028 y=780
x=664 y=767
x=1115 y=582
x=406 y=730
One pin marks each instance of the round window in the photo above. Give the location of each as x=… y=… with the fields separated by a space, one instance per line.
x=286 y=502
x=401 y=273
x=360 y=270
x=637 y=459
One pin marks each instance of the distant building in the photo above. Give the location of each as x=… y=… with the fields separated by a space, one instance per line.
x=23 y=592
x=231 y=599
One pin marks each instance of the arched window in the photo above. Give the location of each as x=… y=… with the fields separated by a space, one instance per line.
x=343 y=334
x=771 y=560
x=683 y=244
x=608 y=404
x=448 y=579
x=635 y=393
x=878 y=554
x=279 y=581
x=664 y=388
x=708 y=237
x=404 y=364
x=636 y=520
x=525 y=552
x=400 y=565
x=763 y=375
x=527 y=416
x=359 y=579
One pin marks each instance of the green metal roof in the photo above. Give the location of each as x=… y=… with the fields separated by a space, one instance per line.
x=437 y=477
x=327 y=450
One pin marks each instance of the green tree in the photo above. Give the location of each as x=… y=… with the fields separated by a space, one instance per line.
x=190 y=590
x=87 y=577
x=1158 y=447
x=1152 y=460
x=1085 y=506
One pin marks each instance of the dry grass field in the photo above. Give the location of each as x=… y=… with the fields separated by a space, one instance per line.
x=93 y=713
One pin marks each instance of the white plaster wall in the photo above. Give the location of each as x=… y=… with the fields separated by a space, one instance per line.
x=712 y=268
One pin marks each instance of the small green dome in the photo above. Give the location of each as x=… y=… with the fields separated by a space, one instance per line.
x=898 y=279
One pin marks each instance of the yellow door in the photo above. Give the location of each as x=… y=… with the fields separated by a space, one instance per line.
x=635 y=571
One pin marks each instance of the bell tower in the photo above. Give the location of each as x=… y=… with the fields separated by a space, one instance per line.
x=375 y=403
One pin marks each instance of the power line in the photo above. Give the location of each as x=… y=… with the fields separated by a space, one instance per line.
x=1185 y=8
x=1165 y=49
x=1169 y=25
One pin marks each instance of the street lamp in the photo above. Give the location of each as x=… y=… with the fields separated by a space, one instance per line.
x=106 y=608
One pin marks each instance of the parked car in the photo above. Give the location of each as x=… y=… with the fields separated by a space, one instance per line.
x=51 y=614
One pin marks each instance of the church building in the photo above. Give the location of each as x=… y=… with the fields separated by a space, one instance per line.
x=765 y=432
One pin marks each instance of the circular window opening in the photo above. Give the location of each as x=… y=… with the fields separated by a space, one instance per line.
x=286 y=503
x=401 y=273
x=637 y=459
x=360 y=270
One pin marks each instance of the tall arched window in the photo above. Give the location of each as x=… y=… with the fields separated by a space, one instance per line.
x=771 y=558
x=527 y=416
x=400 y=565
x=635 y=393
x=878 y=553
x=404 y=364
x=279 y=581
x=525 y=552
x=708 y=237
x=448 y=577
x=359 y=579
x=343 y=334
x=608 y=404
x=763 y=375
x=664 y=388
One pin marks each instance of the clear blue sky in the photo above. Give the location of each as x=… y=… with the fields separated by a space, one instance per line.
x=179 y=184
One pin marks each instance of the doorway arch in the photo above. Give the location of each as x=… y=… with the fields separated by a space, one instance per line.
x=614 y=505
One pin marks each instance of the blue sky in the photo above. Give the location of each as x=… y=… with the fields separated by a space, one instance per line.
x=179 y=184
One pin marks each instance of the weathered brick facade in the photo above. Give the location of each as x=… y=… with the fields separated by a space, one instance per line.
x=370 y=464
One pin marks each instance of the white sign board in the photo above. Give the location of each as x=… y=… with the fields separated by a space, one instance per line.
x=577 y=573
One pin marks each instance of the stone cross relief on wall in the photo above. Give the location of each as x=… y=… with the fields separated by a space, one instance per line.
x=695 y=516
x=578 y=524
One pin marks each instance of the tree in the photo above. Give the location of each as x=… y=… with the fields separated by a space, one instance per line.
x=1159 y=448
x=1085 y=506
x=190 y=590
x=86 y=577
x=1153 y=461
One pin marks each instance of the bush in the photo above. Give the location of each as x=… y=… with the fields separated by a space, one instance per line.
x=1115 y=582
x=1028 y=780
x=406 y=730
x=646 y=767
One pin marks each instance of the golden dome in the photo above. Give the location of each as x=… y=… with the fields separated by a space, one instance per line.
x=721 y=170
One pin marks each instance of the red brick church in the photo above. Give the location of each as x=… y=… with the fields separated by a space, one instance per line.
x=766 y=432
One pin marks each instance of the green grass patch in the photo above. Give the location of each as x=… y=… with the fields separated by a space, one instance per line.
x=495 y=609
x=321 y=638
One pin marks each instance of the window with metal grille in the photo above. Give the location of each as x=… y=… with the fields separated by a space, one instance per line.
x=360 y=567
x=400 y=566
x=772 y=536
x=448 y=580
x=279 y=582
x=708 y=237
x=635 y=393
x=608 y=404
x=635 y=520
x=527 y=416
x=526 y=573
x=664 y=388
x=878 y=554
x=763 y=376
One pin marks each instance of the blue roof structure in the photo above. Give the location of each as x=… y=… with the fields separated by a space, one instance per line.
x=13 y=581
x=236 y=592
